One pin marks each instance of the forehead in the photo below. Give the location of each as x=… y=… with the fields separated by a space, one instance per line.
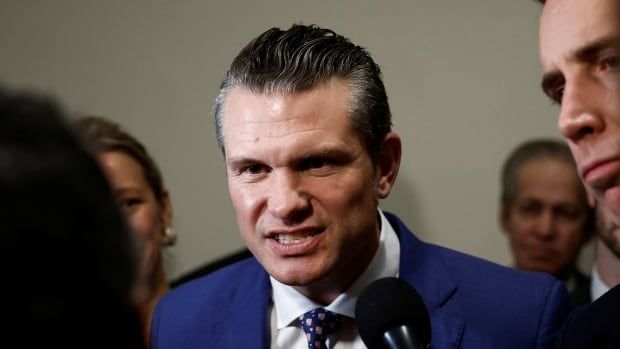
x=120 y=167
x=567 y=26
x=550 y=177
x=277 y=115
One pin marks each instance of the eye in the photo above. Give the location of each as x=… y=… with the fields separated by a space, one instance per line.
x=529 y=209
x=315 y=162
x=610 y=62
x=553 y=86
x=128 y=203
x=556 y=94
x=253 y=169
x=570 y=213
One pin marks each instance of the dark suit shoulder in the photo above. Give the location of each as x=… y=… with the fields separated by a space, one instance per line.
x=594 y=326
x=581 y=293
x=208 y=312
x=214 y=292
x=220 y=283
x=499 y=307
x=494 y=284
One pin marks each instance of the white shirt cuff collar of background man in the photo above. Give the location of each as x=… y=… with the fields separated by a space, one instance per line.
x=597 y=286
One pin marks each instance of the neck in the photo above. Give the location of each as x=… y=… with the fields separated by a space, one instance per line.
x=607 y=264
x=325 y=291
x=565 y=274
x=149 y=293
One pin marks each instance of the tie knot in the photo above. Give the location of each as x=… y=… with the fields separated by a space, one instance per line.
x=318 y=324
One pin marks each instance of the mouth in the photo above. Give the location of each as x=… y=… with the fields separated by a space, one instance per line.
x=288 y=239
x=601 y=173
x=542 y=252
x=294 y=242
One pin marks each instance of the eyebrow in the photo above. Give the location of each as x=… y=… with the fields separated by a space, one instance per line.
x=549 y=80
x=581 y=54
x=238 y=162
x=328 y=152
x=126 y=190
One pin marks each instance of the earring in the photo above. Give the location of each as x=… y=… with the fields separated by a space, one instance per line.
x=169 y=237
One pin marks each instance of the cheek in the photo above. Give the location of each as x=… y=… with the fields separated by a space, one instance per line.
x=146 y=223
x=570 y=238
x=520 y=229
x=353 y=191
x=243 y=200
x=247 y=204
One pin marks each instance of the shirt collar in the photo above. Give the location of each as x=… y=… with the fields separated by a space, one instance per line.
x=597 y=286
x=289 y=303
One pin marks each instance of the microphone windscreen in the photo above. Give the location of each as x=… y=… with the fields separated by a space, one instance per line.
x=389 y=303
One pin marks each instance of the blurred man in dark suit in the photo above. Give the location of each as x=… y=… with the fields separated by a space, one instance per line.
x=545 y=213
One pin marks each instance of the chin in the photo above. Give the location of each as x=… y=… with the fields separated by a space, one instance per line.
x=296 y=275
x=294 y=280
x=612 y=201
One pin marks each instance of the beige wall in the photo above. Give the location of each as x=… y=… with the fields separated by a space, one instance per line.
x=462 y=77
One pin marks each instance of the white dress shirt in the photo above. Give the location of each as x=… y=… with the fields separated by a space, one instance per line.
x=597 y=285
x=289 y=304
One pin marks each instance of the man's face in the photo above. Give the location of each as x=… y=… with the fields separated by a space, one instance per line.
x=580 y=54
x=546 y=221
x=303 y=185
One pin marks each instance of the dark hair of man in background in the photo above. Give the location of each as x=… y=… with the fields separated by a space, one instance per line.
x=267 y=66
x=531 y=150
x=68 y=257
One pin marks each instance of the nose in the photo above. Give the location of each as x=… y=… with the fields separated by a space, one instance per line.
x=545 y=226
x=287 y=200
x=580 y=114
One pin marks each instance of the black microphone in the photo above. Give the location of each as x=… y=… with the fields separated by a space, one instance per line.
x=390 y=314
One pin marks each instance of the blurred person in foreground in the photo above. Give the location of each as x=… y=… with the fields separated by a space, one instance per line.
x=304 y=125
x=68 y=257
x=545 y=213
x=580 y=57
x=139 y=189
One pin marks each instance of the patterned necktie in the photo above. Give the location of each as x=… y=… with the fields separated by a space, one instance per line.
x=318 y=324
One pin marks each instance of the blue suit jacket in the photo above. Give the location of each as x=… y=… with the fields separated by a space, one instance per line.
x=472 y=303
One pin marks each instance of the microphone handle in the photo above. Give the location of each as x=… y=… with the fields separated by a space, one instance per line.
x=402 y=337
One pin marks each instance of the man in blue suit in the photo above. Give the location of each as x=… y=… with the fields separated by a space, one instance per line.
x=303 y=121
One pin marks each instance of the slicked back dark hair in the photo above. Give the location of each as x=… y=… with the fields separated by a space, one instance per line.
x=301 y=58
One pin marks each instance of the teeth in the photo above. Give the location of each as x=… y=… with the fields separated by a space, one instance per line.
x=290 y=239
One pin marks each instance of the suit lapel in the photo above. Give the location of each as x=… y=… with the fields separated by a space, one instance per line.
x=426 y=273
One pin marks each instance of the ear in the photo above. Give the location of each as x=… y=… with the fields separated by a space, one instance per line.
x=504 y=216
x=388 y=163
x=166 y=209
